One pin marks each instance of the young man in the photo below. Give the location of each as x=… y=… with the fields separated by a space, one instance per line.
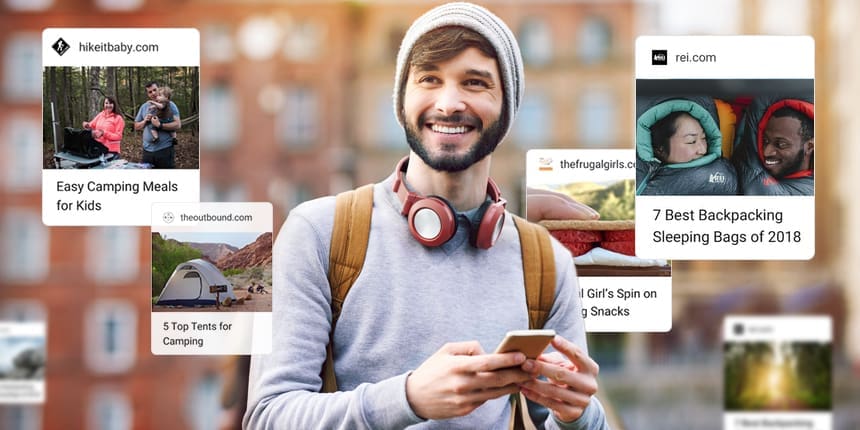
x=788 y=143
x=412 y=342
x=160 y=153
x=775 y=149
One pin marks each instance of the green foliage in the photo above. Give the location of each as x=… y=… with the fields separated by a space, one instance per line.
x=230 y=272
x=788 y=376
x=255 y=273
x=613 y=202
x=166 y=255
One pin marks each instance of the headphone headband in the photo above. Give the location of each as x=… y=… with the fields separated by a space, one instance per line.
x=408 y=198
x=433 y=221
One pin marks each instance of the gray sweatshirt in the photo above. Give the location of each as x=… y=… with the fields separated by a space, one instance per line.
x=408 y=301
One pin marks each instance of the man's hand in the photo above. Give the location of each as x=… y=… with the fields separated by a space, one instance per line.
x=571 y=380
x=459 y=378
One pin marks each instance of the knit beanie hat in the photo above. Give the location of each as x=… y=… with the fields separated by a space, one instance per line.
x=486 y=24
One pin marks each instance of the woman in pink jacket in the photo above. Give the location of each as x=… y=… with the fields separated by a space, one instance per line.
x=108 y=125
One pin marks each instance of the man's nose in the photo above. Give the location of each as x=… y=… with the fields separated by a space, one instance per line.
x=450 y=100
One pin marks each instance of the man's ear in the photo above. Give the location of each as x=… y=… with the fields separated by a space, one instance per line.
x=809 y=146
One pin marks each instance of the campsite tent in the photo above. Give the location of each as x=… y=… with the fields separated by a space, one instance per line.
x=189 y=285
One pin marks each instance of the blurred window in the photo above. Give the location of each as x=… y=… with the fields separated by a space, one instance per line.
x=119 y=5
x=259 y=37
x=594 y=42
x=220 y=113
x=300 y=193
x=21 y=136
x=390 y=133
x=596 y=118
x=235 y=192
x=218 y=45
x=204 y=403
x=785 y=17
x=392 y=42
x=113 y=254
x=536 y=41
x=110 y=410
x=25 y=246
x=22 y=67
x=110 y=336
x=28 y=5
x=531 y=128
x=21 y=417
x=698 y=17
x=305 y=41
x=22 y=311
x=298 y=122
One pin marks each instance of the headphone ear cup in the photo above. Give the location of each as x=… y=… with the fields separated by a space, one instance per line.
x=487 y=224
x=432 y=221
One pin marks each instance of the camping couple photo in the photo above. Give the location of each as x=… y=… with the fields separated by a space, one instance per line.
x=120 y=117
x=211 y=272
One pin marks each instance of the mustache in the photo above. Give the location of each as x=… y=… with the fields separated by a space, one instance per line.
x=457 y=118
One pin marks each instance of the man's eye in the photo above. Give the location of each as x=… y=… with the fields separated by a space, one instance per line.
x=429 y=79
x=476 y=82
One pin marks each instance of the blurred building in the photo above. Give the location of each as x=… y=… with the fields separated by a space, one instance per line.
x=296 y=102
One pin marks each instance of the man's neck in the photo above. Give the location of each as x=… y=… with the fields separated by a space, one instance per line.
x=465 y=190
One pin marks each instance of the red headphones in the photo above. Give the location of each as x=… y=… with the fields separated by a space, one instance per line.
x=432 y=220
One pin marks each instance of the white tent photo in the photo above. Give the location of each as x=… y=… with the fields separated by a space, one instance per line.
x=189 y=285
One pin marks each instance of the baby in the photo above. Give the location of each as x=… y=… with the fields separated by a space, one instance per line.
x=161 y=108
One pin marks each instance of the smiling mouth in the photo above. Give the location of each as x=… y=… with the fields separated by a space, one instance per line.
x=770 y=162
x=448 y=129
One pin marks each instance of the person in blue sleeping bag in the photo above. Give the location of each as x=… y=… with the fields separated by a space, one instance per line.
x=679 y=149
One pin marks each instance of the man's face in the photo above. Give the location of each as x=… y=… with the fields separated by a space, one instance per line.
x=152 y=91
x=783 y=148
x=451 y=110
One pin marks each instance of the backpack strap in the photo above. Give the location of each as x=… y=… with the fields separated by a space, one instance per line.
x=349 y=236
x=539 y=277
x=538 y=270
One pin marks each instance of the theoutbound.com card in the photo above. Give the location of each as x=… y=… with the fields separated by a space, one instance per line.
x=725 y=147
x=211 y=278
x=778 y=372
x=620 y=291
x=22 y=362
x=121 y=123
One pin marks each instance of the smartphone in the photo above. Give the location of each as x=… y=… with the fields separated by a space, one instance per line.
x=529 y=342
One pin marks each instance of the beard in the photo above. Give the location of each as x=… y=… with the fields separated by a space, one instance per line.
x=488 y=140
x=793 y=165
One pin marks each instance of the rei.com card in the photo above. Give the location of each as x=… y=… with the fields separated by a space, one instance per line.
x=211 y=278
x=585 y=199
x=778 y=372
x=121 y=123
x=725 y=147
